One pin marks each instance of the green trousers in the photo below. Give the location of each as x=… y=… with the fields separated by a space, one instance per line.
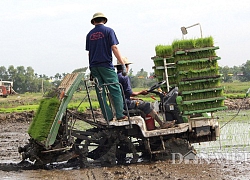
x=105 y=76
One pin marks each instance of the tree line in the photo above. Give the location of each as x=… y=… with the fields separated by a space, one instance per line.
x=236 y=73
x=26 y=80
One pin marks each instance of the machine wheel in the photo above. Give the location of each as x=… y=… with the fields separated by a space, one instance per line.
x=113 y=146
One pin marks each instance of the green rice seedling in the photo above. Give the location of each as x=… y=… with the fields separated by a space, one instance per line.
x=164 y=50
x=183 y=44
x=200 y=73
x=202 y=95
x=196 y=85
x=175 y=45
x=192 y=43
x=159 y=72
x=204 y=42
x=204 y=57
x=203 y=105
x=172 y=80
x=44 y=118
x=171 y=71
x=187 y=44
x=170 y=60
x=196 y=70
x=158 y=61
x=182 y=57
x=208 y=41
x=202 y=54
x=199 y=43
x=197 y=64
x=159 y=78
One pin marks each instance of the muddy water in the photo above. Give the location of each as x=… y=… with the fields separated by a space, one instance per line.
x=219 y=164
x=158 y=170
x=233 y=143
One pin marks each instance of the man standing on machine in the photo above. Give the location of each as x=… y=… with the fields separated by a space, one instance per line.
x=101 y=41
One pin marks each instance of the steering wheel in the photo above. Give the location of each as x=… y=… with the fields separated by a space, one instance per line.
x=156 y=86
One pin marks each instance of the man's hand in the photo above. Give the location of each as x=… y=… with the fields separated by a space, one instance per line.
x=144 y=92
x=124 y=70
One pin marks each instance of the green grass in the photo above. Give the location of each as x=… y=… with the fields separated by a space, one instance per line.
x=235 y=96
x=224 y=116
x=83 y=106
x=30 y=101
x=19 y=109
x=13 y=101
x=236 y=87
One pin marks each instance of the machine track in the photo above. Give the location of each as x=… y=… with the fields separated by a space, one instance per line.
x=109 y=148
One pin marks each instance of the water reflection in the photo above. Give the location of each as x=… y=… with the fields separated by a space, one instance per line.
x=234 y=140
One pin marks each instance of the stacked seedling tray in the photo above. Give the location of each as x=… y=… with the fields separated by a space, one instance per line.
x=195 y=72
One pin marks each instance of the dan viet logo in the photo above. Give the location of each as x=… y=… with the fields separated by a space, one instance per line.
x=178 y=158
x=222 y=156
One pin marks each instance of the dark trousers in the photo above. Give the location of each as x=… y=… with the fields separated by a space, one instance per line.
x=104 y=76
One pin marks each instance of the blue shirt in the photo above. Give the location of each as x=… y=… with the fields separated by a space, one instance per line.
x=98 y=42
x=126 y=85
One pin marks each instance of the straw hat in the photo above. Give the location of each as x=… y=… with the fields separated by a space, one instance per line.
x=97 y=15
x=125 y=60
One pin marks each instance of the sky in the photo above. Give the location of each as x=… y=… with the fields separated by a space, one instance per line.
x=50 y=35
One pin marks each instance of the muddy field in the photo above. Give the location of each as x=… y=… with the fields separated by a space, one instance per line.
x=13 y=133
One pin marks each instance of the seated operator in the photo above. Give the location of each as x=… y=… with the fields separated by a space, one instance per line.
x=132 y=103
